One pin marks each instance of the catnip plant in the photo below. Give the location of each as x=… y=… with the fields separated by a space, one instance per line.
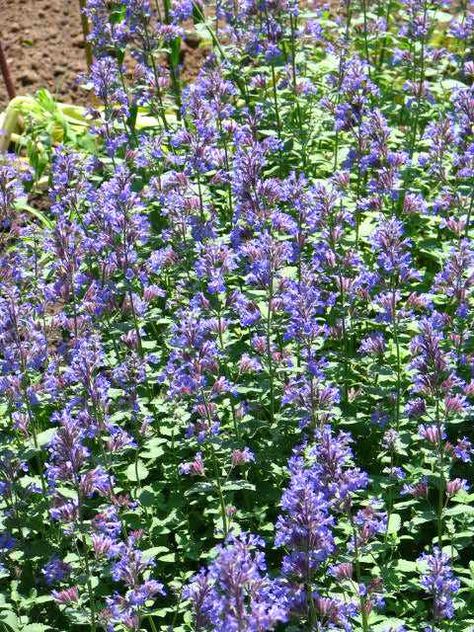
x=236 y=348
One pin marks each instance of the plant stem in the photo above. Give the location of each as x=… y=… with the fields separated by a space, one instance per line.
x=363 y=612
x=225 y=526
x=152 y=623
x=269 y=348
x=299 y=113
x=420 y=84
x=384 y=41
x=161 y=107
x=215 y=465
x=173 y=59
x=469 y=213
x=275 y=101
x=397 y=350
x=442 y=481
x=366 y=41
x=344 y=341
x=85 y=558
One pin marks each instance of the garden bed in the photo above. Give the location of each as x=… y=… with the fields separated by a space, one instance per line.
x=237 y=324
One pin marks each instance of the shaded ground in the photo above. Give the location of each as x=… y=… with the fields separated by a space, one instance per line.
x=44 y=47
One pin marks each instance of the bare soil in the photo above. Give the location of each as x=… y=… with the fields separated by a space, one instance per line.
x=44 y=47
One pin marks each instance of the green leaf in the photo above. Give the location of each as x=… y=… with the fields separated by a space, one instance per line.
x=45 y=437
x=152 y=552
x=149 y=498
x=168 y=558
x=394 y=523
x=23 y=206
x=237 y=486
x=137 y=471
x=387 y=624
x=153 y=449
x=465 y=510
x=9 y=620
x=405 y=566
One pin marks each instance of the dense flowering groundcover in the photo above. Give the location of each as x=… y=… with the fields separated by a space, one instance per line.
x=237 y=353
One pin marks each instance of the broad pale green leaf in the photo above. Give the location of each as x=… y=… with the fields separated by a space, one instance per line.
x=137 y=471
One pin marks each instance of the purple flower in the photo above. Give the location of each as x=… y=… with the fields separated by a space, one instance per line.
x=11 y=189
x=96 y=481
x=456 y=485
x=431 y=364
x=107 y=522
x=312 y=394
x=393 y=257
x=266 y=255
x=7 y=542
x=437 y=580
x=344 y=570
x=240 y=457
x=130 y=568
x=215 y=261
x=370 y=521
x=463 y=450
x=56 y=571
x=235 y=592
x=104 y=546
x=322 y=484
x=305 y=525
x=333 y=613
x=305 y=306
x=67 y=596
x=194 y=468
x=333 y=466
x=145 y=592
x=194 y=354
x=374 y=344
x=433 y=434
x=418 y=489
x=455 y=280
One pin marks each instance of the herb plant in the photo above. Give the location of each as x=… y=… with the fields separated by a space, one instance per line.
x=236 y=350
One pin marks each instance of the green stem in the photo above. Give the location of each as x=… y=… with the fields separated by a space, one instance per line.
x=442 y=480
x=363 y=613
x=420 y=85
x=225 y=526
x=161 y=107
x=299 y=114
x=384 y=41
x=366 y=40
x=85 y=558
x=175 y=46
x=152 y=623
x=344 y=342
x=397 y=350
x=269 y=349
x=275 y=101
x=469 y=213
x=215 y=465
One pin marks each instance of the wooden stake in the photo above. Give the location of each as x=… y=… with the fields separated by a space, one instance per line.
x=7 y=78
x=85 y=32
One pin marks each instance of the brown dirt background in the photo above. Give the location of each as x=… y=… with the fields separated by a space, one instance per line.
x=44 y=47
